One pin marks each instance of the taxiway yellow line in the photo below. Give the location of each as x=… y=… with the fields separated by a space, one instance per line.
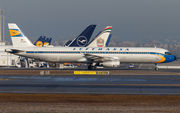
x=3 y=79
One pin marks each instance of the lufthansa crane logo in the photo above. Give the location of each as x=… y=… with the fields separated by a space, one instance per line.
x=46 y=44
x=39 y=44
x=82 y=41
x=15 y=33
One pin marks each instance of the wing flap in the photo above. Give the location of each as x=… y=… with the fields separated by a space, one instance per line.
x=96 y=58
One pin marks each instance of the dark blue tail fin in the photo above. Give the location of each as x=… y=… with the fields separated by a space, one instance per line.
x=68 y=42
x=47 y=42
x=83 y=39
x=40 y=41
x=50 y=39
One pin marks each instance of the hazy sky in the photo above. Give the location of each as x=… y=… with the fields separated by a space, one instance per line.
x=133 y=20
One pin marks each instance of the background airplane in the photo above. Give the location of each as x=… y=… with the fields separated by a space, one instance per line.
x=102 y=39
x=83 y=39
x=43 y=41
x=47 y=42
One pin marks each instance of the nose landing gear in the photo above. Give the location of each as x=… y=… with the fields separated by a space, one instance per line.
x=156 y=68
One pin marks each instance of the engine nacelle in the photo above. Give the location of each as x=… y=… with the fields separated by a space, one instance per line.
x=113 y=63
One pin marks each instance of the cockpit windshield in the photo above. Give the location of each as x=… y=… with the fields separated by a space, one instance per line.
x=168 y=53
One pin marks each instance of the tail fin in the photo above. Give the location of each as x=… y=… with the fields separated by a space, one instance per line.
x=47 y=42
x=107 y=43
x=101 y=40
x=17 y=36
x=50 y=39
x=83 y=39
x=68 y=42
x=40 y=41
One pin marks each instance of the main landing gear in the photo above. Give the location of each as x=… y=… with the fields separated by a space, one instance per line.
x=156 y=68
x=91 y=67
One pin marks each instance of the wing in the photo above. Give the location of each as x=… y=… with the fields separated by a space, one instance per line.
x=96 y=58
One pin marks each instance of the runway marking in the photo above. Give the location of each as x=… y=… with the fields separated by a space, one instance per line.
x=3 y=79
x=32 y=76
x=85 y=72
x=137 y=84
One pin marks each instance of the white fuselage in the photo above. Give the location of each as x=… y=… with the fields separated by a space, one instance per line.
x=76 y=54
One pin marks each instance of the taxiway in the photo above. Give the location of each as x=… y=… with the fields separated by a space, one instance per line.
x=91 y=84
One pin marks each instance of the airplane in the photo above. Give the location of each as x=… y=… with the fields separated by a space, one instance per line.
x=14 y=60
x=101 y=39
x=47 y=42
x=68 y=42
x=95 y=56
x=43 y=41
x=40 y=41
x=83 y=39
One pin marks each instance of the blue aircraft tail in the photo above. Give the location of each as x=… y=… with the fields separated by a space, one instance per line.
x=50 y=39
x=107 y=43
x=68 y=42
x=40 y=41
x=83 y=39
x=47 y=42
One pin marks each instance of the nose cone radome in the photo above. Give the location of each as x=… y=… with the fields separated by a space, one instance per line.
x=170 y=58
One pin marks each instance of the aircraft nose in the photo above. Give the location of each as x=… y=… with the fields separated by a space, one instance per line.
x=170 y=58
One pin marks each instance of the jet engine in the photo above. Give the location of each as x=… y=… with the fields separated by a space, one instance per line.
x=112 y=63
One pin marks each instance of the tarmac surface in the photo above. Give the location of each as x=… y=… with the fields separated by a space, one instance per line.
x=140 y=81
x=125 y=90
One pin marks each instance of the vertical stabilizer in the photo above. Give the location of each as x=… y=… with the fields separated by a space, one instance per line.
x=83 y=39
x=17 y=37
x=102 y=39
x=107 y=43
x=47 y=42
x=40 y=41
x=68 y=42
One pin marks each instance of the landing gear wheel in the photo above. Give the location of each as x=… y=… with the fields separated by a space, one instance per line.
x=156 y=68
x=91 y=67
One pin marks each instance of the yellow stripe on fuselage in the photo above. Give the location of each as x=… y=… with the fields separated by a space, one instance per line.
x=162 y=59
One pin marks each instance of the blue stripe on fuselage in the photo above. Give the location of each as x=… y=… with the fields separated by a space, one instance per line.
x=169 y=58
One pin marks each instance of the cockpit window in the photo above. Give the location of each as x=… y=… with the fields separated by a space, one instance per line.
x=168 y=53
